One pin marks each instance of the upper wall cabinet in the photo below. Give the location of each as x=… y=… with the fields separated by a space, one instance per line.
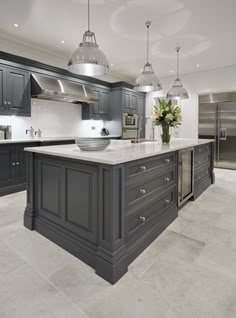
x=100 y=110
x=14 y=91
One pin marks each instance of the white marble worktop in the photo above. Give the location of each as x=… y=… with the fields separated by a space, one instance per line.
x=44 y=139
x=118 y=152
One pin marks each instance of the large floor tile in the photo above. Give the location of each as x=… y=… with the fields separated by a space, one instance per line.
x=172 y=245
x=79 y=282
x=9 y=261
x=128 y=298
x=211 y=295
x=25 y=294
x=45 y=256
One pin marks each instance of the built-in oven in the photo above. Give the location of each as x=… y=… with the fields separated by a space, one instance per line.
x=130 y=125
x=130 y=121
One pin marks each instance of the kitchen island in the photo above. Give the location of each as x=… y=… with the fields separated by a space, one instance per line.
x=107 y=207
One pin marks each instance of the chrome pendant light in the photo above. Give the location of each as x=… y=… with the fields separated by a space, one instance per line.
x=88 y=59
x=177 y=90
x=147 y=80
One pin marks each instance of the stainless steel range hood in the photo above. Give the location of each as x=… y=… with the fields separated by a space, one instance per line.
x=52 y=88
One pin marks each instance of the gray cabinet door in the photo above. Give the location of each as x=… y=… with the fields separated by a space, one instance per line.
x=126 y=101
x=141 y=112
x=18 y=92
x=2 y=105
x=105 y=104
x=134 y=102
x=67 y=195
x=7 y=172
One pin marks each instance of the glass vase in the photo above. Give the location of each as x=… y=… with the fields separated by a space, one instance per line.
x=165 y=136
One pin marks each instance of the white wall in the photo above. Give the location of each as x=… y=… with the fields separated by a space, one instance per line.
x=54 y=119
x=218 y=80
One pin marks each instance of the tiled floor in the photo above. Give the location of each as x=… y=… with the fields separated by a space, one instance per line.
x=188 y=272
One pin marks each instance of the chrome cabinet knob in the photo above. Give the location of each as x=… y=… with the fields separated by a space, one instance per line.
x=13 y=163
x=142 y=219
x=167 y=201
x=142 y=191
x=9 y=103
x=17 y=163
x=5 y=102
x=142 y=168
x=167 y=160
x=167 y=179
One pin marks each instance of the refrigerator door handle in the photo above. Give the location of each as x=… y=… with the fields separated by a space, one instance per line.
x=222 y=134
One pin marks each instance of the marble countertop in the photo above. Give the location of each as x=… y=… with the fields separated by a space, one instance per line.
x=44 y=139
x=119 y=151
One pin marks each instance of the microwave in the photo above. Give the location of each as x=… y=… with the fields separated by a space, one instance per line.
x=130 y=121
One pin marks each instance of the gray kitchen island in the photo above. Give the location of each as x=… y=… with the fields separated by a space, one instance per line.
x=106 y=207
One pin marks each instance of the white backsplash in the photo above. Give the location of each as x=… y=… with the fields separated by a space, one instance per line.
x=55 y=119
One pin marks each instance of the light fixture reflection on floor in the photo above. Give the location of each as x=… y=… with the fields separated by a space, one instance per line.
x=88 y=59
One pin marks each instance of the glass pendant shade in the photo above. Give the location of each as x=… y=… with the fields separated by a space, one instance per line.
x=147 y=81
x=177 y=90
x=88 y=59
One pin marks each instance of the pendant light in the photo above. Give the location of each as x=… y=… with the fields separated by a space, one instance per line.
x=147 y=80
x=177 y=90
x=88 y=59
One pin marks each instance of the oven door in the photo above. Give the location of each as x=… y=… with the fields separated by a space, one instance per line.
x=130 y=121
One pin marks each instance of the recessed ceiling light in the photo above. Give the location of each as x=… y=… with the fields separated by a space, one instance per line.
x=16 y=25
x=197 y=65
x=171 y=71
x=62 y=41
x=112 y=64
x=141 y=70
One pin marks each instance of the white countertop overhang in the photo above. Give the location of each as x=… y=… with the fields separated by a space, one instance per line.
x=118 y=153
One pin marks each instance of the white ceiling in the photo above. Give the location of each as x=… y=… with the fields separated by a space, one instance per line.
x=204 y=29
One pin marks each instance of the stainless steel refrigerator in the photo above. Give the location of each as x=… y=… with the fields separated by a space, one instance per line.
x=217 y=120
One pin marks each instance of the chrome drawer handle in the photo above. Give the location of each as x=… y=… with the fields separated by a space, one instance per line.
x=167 y=201
x=13 y=163
x=167 y=160
x=142 y=219
x=142 y=191
x=167 y=179
x=142 y=168
x=17 y=163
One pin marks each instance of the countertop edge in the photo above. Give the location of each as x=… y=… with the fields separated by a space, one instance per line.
x=113 y=162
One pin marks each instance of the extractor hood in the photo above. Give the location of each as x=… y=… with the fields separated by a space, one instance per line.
x=52 y=88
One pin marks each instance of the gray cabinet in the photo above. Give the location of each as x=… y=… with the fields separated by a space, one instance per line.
x=129 y=101
x=13 y=164
x=14 y=91
x=100 y=110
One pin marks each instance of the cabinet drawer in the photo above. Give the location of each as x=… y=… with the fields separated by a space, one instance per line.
x=144 y=218
x=199 y=150
x=144 y=190
x=142 y=167
x=202 y=174
x=202 y=160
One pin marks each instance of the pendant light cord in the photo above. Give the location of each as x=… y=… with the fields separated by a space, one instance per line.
x=148 y=23
x=88 y=15
x=177 y=50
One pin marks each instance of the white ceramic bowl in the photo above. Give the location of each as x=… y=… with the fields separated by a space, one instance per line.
x=92 y=144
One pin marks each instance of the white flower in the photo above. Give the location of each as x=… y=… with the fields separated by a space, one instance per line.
x=169 y=117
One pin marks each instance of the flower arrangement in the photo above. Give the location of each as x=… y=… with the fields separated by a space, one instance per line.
x=167 y=115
